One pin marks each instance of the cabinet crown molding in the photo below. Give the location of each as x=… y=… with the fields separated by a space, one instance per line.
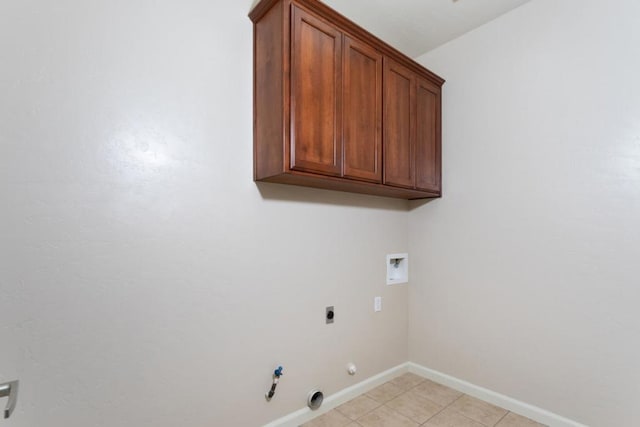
x=260 y=9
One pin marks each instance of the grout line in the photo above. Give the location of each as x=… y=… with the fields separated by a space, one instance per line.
x=503 y=417
x=455 y=400
x=469 y=418
x=433 y=416
x=368 y=412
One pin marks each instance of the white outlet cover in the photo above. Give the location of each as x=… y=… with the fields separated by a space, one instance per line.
x=397 y=269
x=377 y=304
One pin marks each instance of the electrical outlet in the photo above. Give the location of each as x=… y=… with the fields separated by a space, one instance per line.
x=377 y=304
x=329 y=315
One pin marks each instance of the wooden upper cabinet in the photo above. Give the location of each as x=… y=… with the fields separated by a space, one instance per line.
x=337 y=108
x=428 y=146
x=362 y=111
x=316 y=95
x=412 y=129
x=399 y=125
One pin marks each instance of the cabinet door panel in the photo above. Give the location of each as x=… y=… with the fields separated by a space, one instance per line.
x=399 y=125
x=427 y=136
x=316 y=91
x=362 y=112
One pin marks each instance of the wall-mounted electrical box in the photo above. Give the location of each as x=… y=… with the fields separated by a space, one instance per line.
x=329 y=315
x=397 y=269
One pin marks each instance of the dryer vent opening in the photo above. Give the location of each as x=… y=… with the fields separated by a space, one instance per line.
x=315 y=399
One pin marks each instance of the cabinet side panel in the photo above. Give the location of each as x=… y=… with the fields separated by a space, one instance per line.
x=427 y=137
x=398 y=125
x=268 y=94
x=362 y=111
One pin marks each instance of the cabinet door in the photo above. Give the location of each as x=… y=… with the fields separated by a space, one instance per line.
x=428 y=136
x=362 y=111
x=316 y=92
x=399 y=125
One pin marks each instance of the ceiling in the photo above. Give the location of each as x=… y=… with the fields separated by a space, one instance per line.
x=417 y=26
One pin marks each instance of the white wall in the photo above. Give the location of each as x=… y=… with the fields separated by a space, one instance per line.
x=525 y=275
x=145 y=280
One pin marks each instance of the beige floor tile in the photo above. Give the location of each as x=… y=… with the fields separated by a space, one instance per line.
x=414 y=406
x=407 y=381
x=330 y=419
x=440 y=394
x=357 y=407
x=385 y=392
x=451 y=418
x=515 y=420
x=385 y=417
x=478 y=410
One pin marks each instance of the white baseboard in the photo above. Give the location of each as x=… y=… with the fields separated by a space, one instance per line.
x=513 y=405
x=301 y=416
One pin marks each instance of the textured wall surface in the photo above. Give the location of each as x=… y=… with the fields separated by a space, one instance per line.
x=525 y=275
x=145 y=280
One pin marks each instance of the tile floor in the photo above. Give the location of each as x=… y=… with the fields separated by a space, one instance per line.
x=410 y=401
